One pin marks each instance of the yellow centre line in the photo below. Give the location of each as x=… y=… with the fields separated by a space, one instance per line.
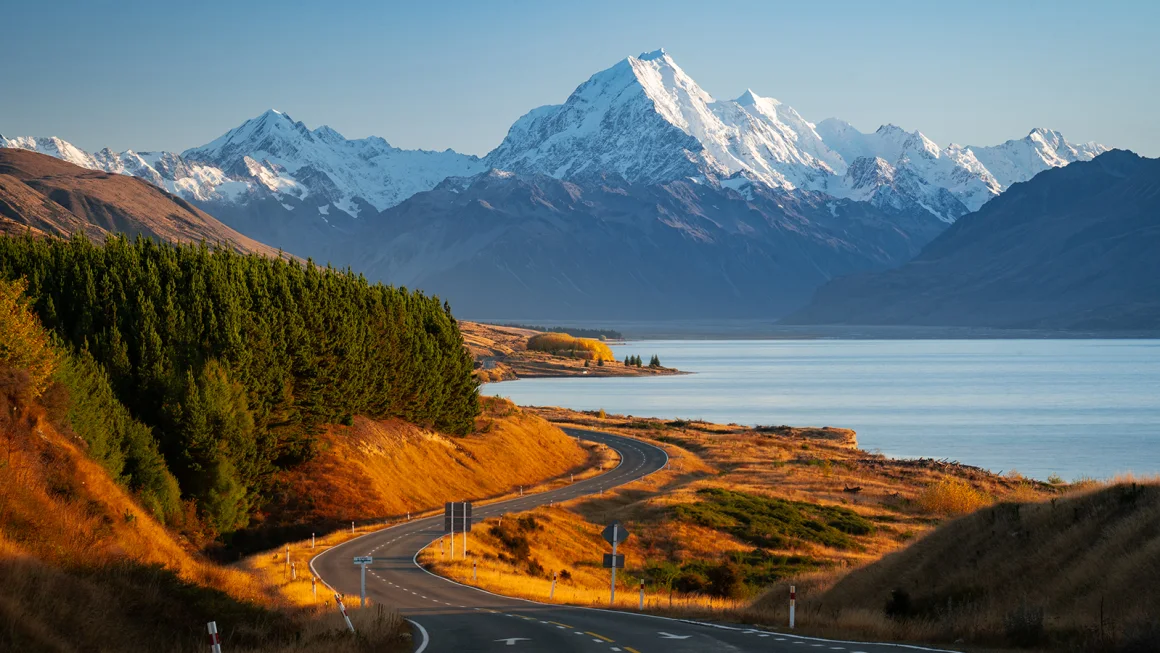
x=630 y=649
x=557 y=623
x=589 y=632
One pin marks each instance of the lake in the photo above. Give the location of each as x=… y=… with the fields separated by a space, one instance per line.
x=1067 y=407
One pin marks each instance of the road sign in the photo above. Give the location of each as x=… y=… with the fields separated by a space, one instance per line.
x=613 y=561
x=364 y=560
x=615 y=530
x=457 y=514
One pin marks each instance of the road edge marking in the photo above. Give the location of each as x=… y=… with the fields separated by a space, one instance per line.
x=423 y=631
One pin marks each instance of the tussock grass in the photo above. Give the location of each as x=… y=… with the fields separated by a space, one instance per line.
x=1079 y=572
x=952 y=496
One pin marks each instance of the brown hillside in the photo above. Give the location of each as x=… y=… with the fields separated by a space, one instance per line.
x=372 y=470
x=53 y=197
x=1076 y=573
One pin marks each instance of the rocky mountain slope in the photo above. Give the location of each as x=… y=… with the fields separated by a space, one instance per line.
x=48 y=196
x=525 y=246
x=1072 y=248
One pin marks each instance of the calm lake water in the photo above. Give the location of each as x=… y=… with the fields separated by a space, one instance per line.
x=1068 y=407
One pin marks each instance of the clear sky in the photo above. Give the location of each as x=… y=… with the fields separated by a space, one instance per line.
x=169 y=75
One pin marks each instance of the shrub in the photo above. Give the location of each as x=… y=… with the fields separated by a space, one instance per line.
x=563 y=344
x=952 y=496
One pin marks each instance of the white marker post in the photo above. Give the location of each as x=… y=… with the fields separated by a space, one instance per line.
x=215 y=640
x=362 y=562
x=312 y=540
x=314 y=586
x=352 y=528
x=474 y=570
x=342 y=609
x=293 y=571
x=552 y=592
x=792 y=604
x=571 y=478
x=287 y=555
x=641 y=606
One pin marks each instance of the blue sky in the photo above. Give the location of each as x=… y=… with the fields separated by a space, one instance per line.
x=160 y=75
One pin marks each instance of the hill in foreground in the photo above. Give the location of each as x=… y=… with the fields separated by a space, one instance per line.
x=1075 y=573
x=1073 y=248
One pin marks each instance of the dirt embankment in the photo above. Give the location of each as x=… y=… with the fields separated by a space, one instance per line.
x=501 y=354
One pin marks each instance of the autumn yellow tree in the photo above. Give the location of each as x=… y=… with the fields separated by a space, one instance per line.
x=24 y=344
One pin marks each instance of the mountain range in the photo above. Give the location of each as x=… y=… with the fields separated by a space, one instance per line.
x=638 y=159
x=1074 y=248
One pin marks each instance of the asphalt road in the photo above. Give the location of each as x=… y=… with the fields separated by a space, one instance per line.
x=449 y=617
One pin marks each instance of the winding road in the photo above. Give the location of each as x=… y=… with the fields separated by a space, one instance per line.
x=449 y=617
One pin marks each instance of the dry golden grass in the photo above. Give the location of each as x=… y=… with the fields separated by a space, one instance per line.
x=378 y=470
x=904 y=499
x=76 y=549
x=1079 y=572
x=952 y=496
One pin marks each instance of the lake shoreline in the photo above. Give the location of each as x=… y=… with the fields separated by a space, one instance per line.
x=1067 y=408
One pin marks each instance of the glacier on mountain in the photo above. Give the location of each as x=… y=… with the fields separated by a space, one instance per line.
x=643 y=119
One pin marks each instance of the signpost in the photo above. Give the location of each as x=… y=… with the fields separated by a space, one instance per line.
x=363 y=561
x=449 y=523
x=614 y=534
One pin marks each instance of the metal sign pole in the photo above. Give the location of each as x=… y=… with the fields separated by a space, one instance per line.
x=452 y=530
x=612 y=594
x=465 y=530
x=363 y=589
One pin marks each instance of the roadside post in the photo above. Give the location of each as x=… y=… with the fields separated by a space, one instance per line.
x=474 y=570
x=287 y=555
x=552 y=591
x=792 y=602
x=466 y=525
x=314 y=585
x=362 y=562
x=614 y=534
x=449 y=524
x=312 y=540
x=352 y=528
x=342 y=609
x=215 y=640
x=293 y=571
x=465 y=510
x=641 y=606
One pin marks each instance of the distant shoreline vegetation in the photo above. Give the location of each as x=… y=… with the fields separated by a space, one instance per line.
x=606 y=334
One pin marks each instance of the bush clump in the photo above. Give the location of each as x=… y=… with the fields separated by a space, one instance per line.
x=562 y=344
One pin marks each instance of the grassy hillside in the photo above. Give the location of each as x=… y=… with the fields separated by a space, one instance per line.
x=380 y=469
x=86 y=567
x=740 y=512
x=1075 y=573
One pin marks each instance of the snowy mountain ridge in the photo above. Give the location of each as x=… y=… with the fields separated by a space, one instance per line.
x=643 y=119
